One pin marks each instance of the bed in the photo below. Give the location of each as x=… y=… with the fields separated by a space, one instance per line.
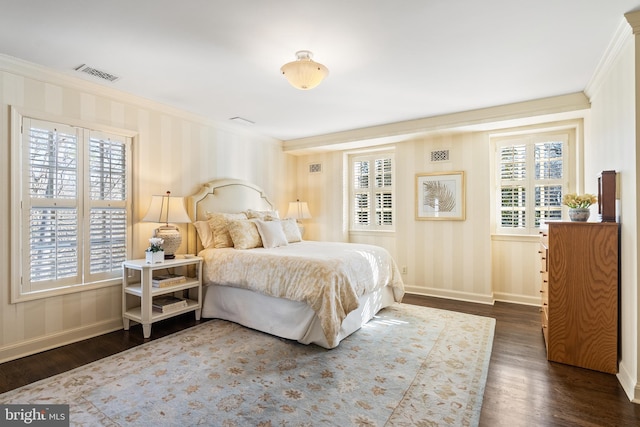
x=307 y=291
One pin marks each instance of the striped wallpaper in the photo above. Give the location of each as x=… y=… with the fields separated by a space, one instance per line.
x=171 y=151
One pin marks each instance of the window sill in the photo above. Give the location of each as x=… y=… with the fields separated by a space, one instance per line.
x=371 y=232
x=515 y=237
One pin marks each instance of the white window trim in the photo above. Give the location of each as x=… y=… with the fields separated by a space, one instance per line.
x=570 y=167
x=349 y=157
x=18 y=247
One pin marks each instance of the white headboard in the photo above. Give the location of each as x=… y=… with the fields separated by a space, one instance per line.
x=223 y=195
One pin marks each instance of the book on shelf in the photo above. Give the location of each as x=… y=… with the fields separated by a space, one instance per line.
x=164 y=280
x=168 y=304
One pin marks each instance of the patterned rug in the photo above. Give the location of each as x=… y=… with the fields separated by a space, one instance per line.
x=410 y=366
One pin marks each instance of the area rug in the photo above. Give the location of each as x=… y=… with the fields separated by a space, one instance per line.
x=409 y=366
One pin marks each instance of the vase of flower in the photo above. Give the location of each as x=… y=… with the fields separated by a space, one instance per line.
x=579 y=214
x=579 y=206
x=155 y=253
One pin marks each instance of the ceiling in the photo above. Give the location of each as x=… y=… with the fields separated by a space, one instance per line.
x=388 y=61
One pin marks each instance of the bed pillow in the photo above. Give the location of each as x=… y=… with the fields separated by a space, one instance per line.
x=291 y=230
x=219 y=223
x=271 y=233
x=204 y=233
x=263 y=215
x=244 y=234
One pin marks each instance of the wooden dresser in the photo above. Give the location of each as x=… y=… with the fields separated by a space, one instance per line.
x=579 y=291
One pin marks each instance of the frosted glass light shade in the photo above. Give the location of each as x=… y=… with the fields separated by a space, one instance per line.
x=304 y=73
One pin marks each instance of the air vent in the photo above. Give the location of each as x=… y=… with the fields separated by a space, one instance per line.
x=440 y=156
x=242 y=120
x=97 y=73
x=315 y=168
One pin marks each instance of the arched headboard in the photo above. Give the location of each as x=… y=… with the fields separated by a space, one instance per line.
x=223 y=195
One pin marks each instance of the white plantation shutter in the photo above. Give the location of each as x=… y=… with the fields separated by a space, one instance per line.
x=75 y=202
x=549 y=173
x=532 y=175
x=384 y=195
x=372 y=191
x=108 y=240
x=51 y=177
x=107 y=204
x=513 y=189
x=361 y=196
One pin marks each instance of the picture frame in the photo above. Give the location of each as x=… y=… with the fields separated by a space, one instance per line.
x=440 y=196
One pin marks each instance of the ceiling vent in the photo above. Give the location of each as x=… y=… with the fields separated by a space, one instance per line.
x=440 y=156
x=315 y=168
x=242 y=120
x=97 y=73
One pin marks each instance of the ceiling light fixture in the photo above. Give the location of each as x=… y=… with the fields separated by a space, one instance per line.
x=304 y=73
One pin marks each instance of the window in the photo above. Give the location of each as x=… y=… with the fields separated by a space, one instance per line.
x=74 y=220
x=532 y=175
x=372 y=201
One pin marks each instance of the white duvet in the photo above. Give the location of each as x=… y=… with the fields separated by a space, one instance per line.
x=328 y=276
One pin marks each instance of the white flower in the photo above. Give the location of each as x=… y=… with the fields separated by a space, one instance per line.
x=155 y=244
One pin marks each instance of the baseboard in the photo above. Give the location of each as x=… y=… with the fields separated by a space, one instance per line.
x=628 y=383
x=455 y=295
x=517 y=299
x=40 y=344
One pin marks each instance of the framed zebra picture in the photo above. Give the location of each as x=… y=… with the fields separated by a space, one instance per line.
x=440 y=196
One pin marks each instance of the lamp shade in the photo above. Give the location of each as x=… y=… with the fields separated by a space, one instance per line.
x=166 y=209
x=298 y=210
x=304 y=73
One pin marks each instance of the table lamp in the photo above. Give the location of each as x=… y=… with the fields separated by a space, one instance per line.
x=166 y=209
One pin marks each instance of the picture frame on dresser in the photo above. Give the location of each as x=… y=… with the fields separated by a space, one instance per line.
x=608 y=195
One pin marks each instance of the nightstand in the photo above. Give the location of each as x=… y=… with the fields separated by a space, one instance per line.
x=138 y=291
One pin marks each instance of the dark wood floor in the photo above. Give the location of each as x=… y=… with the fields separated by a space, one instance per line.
x=523 y=388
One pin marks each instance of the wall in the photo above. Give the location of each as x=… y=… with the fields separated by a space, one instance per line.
x=172 y=151
x=613 y=146
x=443 y=258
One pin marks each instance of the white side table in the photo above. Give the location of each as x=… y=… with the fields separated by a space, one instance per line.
x=138 y=291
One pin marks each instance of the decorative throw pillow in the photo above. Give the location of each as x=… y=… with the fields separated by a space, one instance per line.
x=291 y=230
x=204 y=233
x=263 y=215
x=271 y=233
x=219 y=225
x=244 y=234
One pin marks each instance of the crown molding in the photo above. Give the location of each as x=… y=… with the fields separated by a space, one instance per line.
x=480 y=119
x=634 y=20
x=620 y=39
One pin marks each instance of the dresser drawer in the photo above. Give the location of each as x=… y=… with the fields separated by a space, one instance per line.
x=544 y=238
x=543 y=252
x=544 y=258
x=544 y=289
x=544 y=321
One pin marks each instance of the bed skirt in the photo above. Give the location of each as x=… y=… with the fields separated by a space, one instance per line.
x=286 y=318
